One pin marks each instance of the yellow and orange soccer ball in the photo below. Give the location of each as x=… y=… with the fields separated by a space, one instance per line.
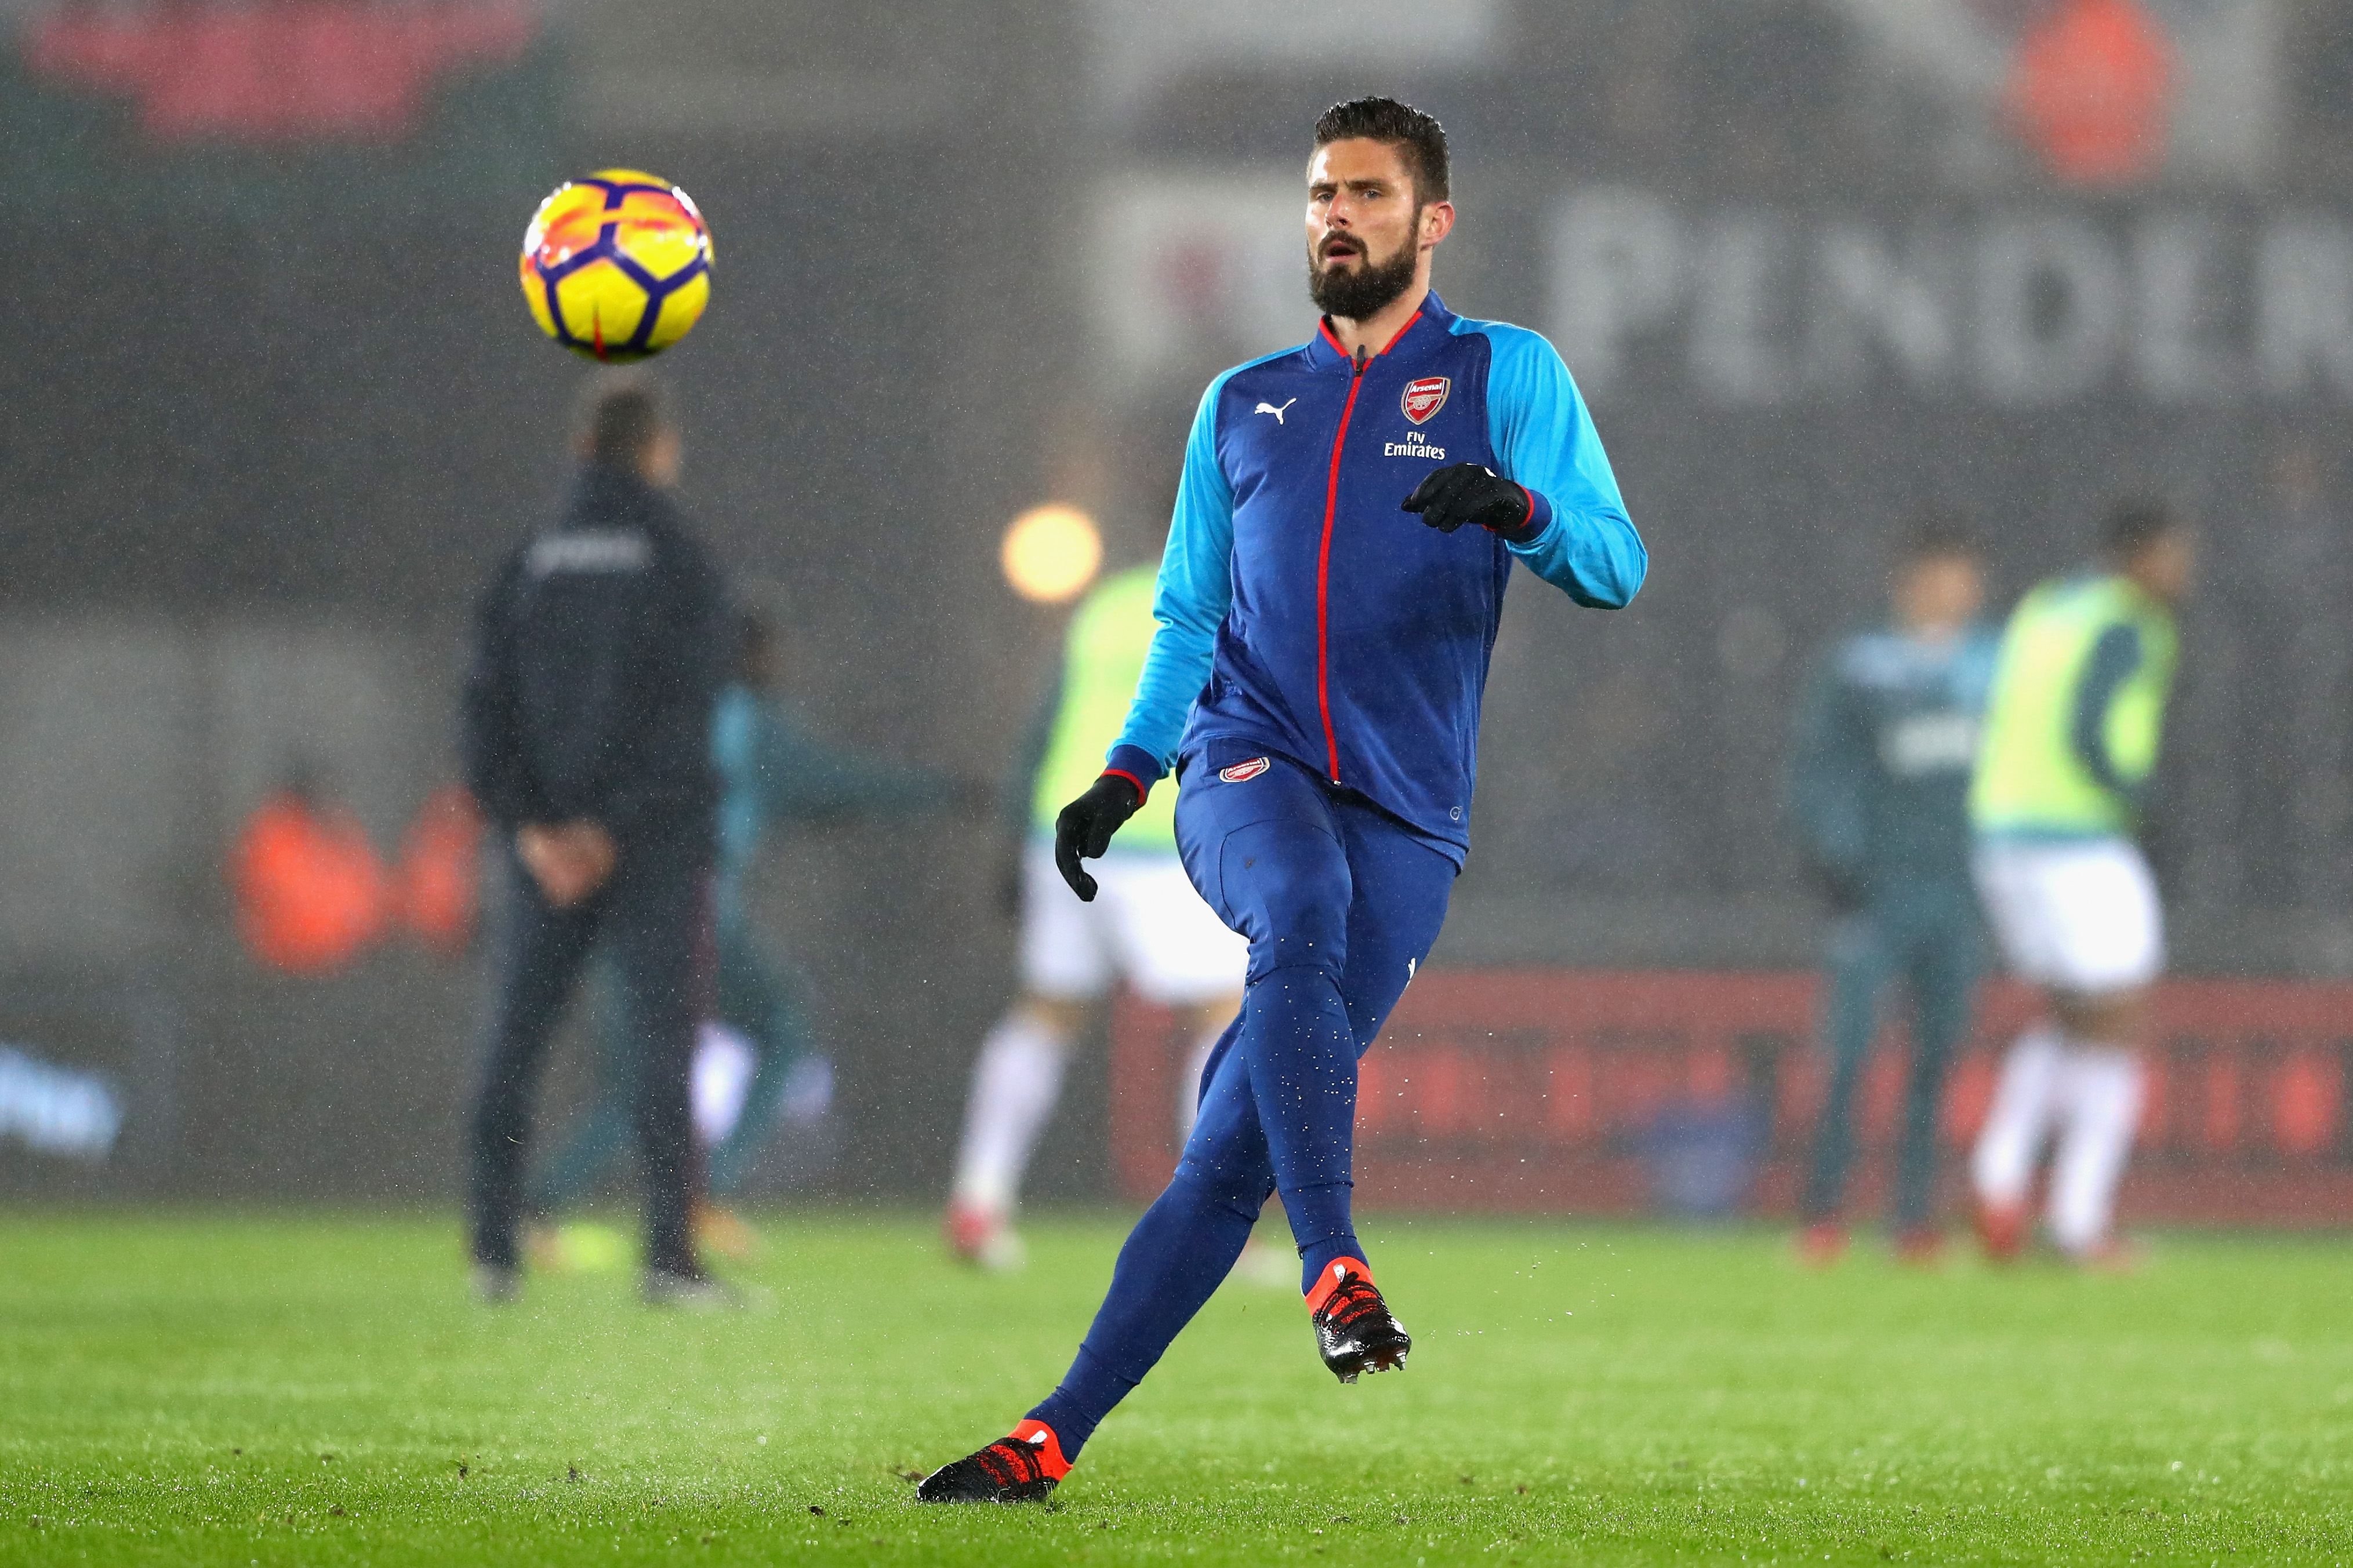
x=617 y=266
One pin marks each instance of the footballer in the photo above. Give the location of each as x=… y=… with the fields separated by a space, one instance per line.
x=2061 y=803
x=1347 y=519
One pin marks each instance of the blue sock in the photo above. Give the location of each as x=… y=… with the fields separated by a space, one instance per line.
x=1320 y=1226
x=1175 y=1260
x=1301 y=1056
x=1298 y=1087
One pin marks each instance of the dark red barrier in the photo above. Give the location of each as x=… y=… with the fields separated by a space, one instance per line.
x=1530 y=1090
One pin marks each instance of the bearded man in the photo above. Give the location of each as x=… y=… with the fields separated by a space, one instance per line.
x=1347 y=519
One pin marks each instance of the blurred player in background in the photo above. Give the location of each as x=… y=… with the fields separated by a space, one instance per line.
x=598 y=653
x=774 y=772
x=1147 y=924
x=2061 y=792
x=1328 y=602
x=1879 y=785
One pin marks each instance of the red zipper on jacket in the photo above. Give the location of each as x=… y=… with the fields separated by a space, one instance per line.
x=1323 y=575
x=1363 y=363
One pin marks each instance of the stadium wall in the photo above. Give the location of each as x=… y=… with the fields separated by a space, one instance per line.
x=1584 y=1092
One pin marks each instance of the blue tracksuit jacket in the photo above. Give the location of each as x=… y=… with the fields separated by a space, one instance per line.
x=1302 y=610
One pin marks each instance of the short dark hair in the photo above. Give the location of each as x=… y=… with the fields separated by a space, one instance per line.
x=1940 y=536
x=1401 y=125
x=2134 y=523
x=622 y=414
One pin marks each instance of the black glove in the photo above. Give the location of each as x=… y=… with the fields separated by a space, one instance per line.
x=1469 y=493
x=1085 y=827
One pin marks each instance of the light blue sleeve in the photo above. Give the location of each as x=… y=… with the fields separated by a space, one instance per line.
x=1196 y=589
x=1543 y=433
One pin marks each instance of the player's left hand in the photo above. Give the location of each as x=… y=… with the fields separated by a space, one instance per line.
x=1470 y=492
x=1085 y=827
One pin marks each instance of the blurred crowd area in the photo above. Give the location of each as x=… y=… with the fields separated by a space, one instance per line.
x=274 y=408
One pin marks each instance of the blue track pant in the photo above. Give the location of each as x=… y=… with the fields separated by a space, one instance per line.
x=1341 y=902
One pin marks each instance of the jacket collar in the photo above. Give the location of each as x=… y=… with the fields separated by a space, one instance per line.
x=1428 y=324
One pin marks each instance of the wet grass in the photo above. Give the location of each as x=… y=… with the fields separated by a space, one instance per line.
x=208 y=1388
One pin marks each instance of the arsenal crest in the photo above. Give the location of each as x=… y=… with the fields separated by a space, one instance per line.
x=1240 y=771
x=1424 y=397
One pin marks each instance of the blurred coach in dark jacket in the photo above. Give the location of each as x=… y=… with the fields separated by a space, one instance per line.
x=599 y=650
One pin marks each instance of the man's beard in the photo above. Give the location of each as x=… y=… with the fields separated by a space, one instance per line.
x=1363 y=290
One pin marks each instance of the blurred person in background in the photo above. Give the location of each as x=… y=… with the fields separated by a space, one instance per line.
x=440 y=884
x=2060 y=803
x=1879 y=786
x=1146 y=924
x=774 y=773
x=599 y=650
x=1328 y=602
x=312 y=894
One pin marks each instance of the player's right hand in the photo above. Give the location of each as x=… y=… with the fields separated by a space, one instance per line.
x=1085 y=826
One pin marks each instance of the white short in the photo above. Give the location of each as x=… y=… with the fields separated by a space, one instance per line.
x=1146 y=924
x=2080 y=917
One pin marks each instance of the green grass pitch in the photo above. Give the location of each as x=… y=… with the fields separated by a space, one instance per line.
x=317 y=1389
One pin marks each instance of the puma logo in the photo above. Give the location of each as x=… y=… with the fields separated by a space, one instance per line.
x=1270 y=408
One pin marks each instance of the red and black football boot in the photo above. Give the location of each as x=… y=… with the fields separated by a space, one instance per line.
x=1354 y=1330
x=1022 y=1466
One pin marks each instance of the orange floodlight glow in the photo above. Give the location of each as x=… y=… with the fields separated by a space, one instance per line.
x=1051 y=553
